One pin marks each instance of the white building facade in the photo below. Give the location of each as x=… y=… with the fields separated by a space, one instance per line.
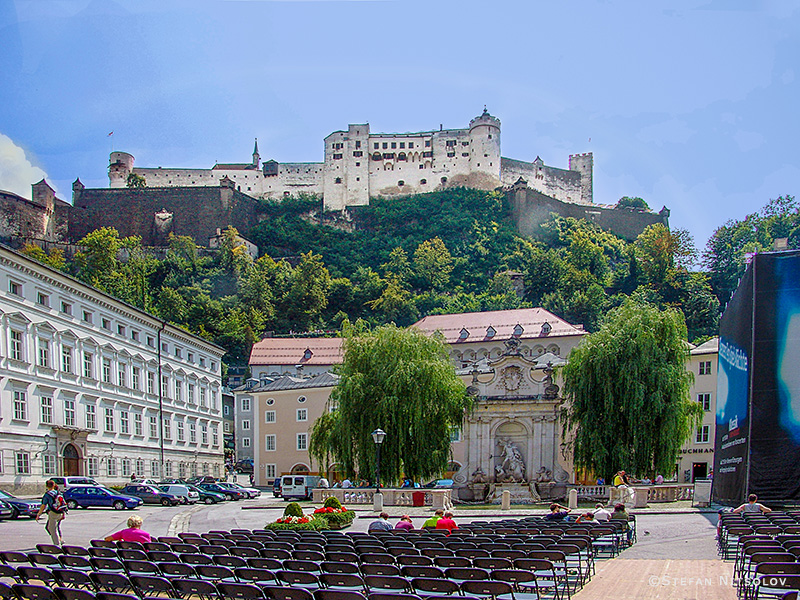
x=92 y=386
x=359 y=164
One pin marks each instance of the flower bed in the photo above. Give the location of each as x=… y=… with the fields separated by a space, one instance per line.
x=312 y=523
x=337 y=518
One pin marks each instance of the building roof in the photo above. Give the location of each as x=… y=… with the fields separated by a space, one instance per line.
x=297 y=351
x=235 y=166
x=287 y=382
x=708 y=347
x=533 y=323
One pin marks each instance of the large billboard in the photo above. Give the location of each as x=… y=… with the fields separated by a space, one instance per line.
x=757 y=445
x=731 y=442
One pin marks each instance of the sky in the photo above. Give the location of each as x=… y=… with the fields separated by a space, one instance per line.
x=689 y=104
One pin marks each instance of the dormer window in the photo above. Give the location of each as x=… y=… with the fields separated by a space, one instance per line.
x=463 y=335
x=490 y=332
x=546 y=328
x=518 y=330
x=307 y=354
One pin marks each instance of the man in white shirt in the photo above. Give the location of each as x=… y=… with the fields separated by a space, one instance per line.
x=347 y=483
x=600 y=513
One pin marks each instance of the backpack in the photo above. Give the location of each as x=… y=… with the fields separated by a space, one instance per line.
x=58 y=504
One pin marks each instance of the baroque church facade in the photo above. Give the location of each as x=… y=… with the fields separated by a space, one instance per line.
x=359 y=164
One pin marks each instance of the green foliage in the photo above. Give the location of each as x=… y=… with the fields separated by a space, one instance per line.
x=332 y=502
x=401 y=381
x=628 y=393
x=136 y=181
x=338 y=520
x=632 y=202
x=55 y=258
x=293 y=509
x=314 y=524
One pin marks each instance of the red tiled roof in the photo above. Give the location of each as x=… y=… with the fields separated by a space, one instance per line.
x=292 y=351
x=502 y=321
x=234 y=166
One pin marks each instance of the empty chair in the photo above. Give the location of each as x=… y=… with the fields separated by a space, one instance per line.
x=387 y=583
x=342 y=557
x=301 y=565
x=149 y=586
x=26 y=591
x=173 y=570
x=524 y=583
x=226 y=560
x=429 y=587
x=265 y=563
x=156 y=547
x=392 y=596
x=421 y=571
x=212 y=549
x=130 y=545
x=7 y=592
x=102 y=544
x=162 y=556
x=73 y=561
x=131 y=554
x=244 y=552
x=492 y=563
x=466 y=574
x=445 y=562
x=546 y=576
x=215 y=573
x=9 y=572
x=196 y=588
x=256 y=576
x=141 y=567
x=277 y=592
x=43 y=560
x=277 y=553
x=69 y=593
x=326 y=594
x=196 y=559
x=43 y=574
x=75 y=550
x=73 y=578
x=49 y=549
x=488 y=588
x=100 y=552
x=301 y=579
x=101 y=595
x=406 y=559
x=239 y=591
x=379 y=569
x=308 y=555
x=338 y=567
x=184 y=548
x=111 y=582
x=375 y=557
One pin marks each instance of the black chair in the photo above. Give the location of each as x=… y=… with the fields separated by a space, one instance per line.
x=387 y=583
x=256 y=576
x=301 y=565
x=380 y=569
x=196 y=559
x=76 y=551
x=156 y=547
x=524 y=583
x=115 y=596
x=49 y=549
x=343 y=581
x=73 y=561
x=68 y=593
x=162 y=556
x=226 y=560
x=271 y=564
x=26 y=591
x=392 y=596
x=244 y=552
x=412 y=571
x=111 y=582
x=28 y=574
x=147 y=586
x=339 y=567
x=446 y=562
x=174 y=570
x=102 y=552
x=301 y=579
x=107 y=565
x=277 y=592
x=7 y=592
x=48 y=561
x=130 y=545
x=496 y=590
x=74 y=578
x=460 y=574
x=196 y=588
x=428 y=587
x=414 y=559
x=215 y=573
x=325 y=594
x=141 y=567
x=239 y=591
x=103 y=544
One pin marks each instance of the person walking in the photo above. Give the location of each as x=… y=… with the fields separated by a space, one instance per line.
x=55 y=507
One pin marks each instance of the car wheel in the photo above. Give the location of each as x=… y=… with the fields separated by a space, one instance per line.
x=14 y=513
x=209 y=500
x=165 y=502
x=72 y=505
x=184 y=500
x=230 y=496
x=118 y=505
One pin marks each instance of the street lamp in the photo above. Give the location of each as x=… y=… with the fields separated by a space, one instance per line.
x=377 y=437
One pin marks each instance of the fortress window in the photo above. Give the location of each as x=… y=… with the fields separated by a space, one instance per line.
x=410 y=145
x=402 y=145
x=376 y=156
x=427 y=143
x=450 y=143
x=358 y=164
x=465 y=143
x=465 y=154
x=358 y=144
x=338 y=180
x=358 y=153
x=451 y=154
x=444 y=179
x=286 y=194
x=337 y=156
x=394 y=145
x=490 y=136
x=401 y=156
x=358 y=178
x=388 y=155
x=423 y=181
x=385 y=145
x=422 y=166
x=401 y=183
x=376 y=145
x=427 y=155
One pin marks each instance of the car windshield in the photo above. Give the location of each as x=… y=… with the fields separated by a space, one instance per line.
x=5 y=495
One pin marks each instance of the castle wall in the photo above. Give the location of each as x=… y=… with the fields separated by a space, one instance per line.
x=44 y=218
x=560 y=184
x=531 y=208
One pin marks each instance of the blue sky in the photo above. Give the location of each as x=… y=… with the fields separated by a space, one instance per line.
x=692 y=104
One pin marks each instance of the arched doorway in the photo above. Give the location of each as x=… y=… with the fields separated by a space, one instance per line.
x=72 y=461
x=300 y=469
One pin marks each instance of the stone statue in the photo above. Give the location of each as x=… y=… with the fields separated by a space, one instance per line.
x=478 y=476
x=513 y=466
x=550 y=388
x=544 y=475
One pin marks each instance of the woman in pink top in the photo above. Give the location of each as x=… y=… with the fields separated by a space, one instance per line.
x=132 y=534
x=446 y=522
x=404 y=523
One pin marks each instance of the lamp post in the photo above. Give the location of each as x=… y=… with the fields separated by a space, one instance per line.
x=377 y=437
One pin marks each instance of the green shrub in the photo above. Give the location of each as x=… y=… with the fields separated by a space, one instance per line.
x=293 y=509
x=332 y=502
x=341 y=519
x=312 y=525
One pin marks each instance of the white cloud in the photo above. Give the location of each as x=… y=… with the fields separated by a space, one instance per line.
x=16 y=171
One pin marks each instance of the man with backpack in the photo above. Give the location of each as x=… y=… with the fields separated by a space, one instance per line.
x=56 y=508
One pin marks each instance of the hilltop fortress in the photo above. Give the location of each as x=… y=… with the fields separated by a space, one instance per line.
x=359 y=164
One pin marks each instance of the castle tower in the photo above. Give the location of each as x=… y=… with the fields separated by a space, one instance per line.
x=256 y=156
x=120 y=165
x=584 y=164
x=484 y=134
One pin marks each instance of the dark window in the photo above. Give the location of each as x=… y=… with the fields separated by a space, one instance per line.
x=376 y=155
x=385 y=145
x=401 y=183
x=451 y=154
x=358 y=153
x=427 y=143
x=401 y=156
x=427 y=154
x=394 y=145
x=444 y=179
x=423 y=181
x=402 y=145
x=376 y=145
x=388 y=155
x=337 y=156
x=358 y=144
x=338 y=180
x=410 y=144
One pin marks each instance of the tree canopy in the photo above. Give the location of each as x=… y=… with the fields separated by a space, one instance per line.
x=400 y=381
x=627 y=391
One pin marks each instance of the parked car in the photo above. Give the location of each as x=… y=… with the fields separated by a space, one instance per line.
x=144 y=482
x=249 y=492
x=201 y=479
x=229 y=493
x=150 y=494
x=6 y=511
x=29 y=508
x=244 y=466
x=93 y=496
x=64 y=483
x=298 y=486
x=207 y=496
x=276 y=487
x=439 y=483
x=186 y=495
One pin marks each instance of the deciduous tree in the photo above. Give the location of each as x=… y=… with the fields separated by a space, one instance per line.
x=627 y=391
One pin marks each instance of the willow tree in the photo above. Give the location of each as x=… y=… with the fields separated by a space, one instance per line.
x=627 y=390
x=400 y=381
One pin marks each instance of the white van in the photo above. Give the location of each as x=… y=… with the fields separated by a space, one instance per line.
x=186 y=495
x=64 y=483
x=298 y=487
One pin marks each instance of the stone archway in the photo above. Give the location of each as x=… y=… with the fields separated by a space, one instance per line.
x=71 y=461
x=300 y=469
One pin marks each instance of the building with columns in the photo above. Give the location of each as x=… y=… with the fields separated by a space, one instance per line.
x=92 y=386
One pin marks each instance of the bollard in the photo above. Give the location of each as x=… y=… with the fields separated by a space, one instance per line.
x=573 y=499
x=377 y=502
x=506 y=500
